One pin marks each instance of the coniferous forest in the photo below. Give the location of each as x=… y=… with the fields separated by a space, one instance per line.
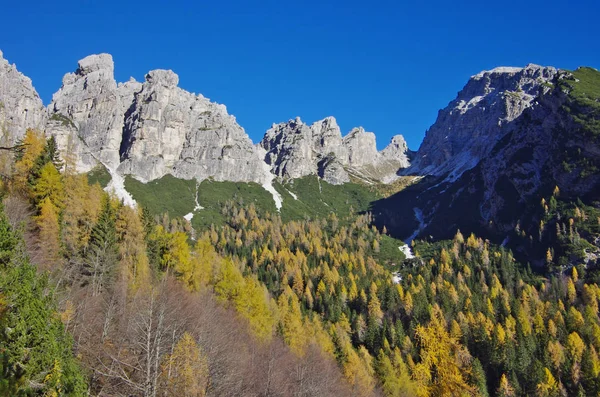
x=102 y=299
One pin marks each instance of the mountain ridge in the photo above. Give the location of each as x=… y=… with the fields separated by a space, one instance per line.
x=153 y=128
x=503 y=144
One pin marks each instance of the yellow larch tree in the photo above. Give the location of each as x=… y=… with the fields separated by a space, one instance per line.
x=132 y=248
x=185 y=371
x=444 y=364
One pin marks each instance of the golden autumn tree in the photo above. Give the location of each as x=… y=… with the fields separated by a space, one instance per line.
x=200 y=269
x=132 y=248
x=505 y=389
x=49 y=185
x=49 y=242
x=393 y=375
x=185 y=371
x=291 y=324
x=33 y=143
x=445 y=363
x=253 y=304
x=549 y=387
x=358 y=370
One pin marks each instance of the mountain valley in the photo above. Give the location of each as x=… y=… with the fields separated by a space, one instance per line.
x=149 y=247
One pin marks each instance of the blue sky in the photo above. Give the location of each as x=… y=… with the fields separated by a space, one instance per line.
x=388 y=66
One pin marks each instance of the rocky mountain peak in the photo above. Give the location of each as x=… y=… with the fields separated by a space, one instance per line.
x=167 y=78
x=90 y=101
x=469 y=127
x=95 y=63
x=397 y=149
x=20 y=104
x=149 y=129
x=295 y=149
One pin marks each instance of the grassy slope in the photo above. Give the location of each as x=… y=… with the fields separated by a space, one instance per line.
x=168 y=194
x=585 y=92
x=99 y=175
x=315 y=199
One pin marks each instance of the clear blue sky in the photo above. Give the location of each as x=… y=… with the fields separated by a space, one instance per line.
x=385 y=65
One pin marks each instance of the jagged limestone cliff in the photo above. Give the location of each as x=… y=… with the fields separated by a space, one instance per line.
x=20 y=105
x=472 y=124
x=295 y=149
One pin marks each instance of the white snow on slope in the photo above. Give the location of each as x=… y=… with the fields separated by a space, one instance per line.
x=198 y=207
x=268 y=186
x=117 y=187
x=464 y=106
x=406 y=251
x=188 y=217
x=293 y=195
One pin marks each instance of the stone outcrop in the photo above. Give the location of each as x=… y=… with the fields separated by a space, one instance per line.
x=471 y=125
x=153 y=128
x=20 y=105
x=89 y=98
x=169 y=130
x=295 y=149
x=148 y=129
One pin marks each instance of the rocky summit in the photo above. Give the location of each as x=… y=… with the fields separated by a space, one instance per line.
x=468 y=128
x=20 y=105
x=153 y=128
x=513 y=140
x=295 y=149
x=150 y=129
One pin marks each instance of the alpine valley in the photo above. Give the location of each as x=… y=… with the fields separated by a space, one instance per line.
x=149 y=247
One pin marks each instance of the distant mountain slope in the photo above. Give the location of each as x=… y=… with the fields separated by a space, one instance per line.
x=554 y=143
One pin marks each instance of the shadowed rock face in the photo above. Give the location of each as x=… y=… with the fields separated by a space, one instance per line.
x=552 y=142
x=20 y=105
x=295 y=149
x=469 y=127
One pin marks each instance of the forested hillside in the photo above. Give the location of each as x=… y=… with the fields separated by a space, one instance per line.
x=122 y=304
x=127 y=302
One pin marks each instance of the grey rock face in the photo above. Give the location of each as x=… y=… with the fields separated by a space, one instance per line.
x=469 y=127
x=155 y=128
x=397 y=150
x=148 y=129
x=69 y=144
x=295 y=149
x=90 y=98
x=173 y=131
x=20 y=105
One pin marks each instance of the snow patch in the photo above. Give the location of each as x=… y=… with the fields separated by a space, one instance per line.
x=293 y=195
x=396 y=278
x=189 y=217
x=268 y=184
x=405 y=249
x=117 y=187
x=198 y=207
x=464 y=106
